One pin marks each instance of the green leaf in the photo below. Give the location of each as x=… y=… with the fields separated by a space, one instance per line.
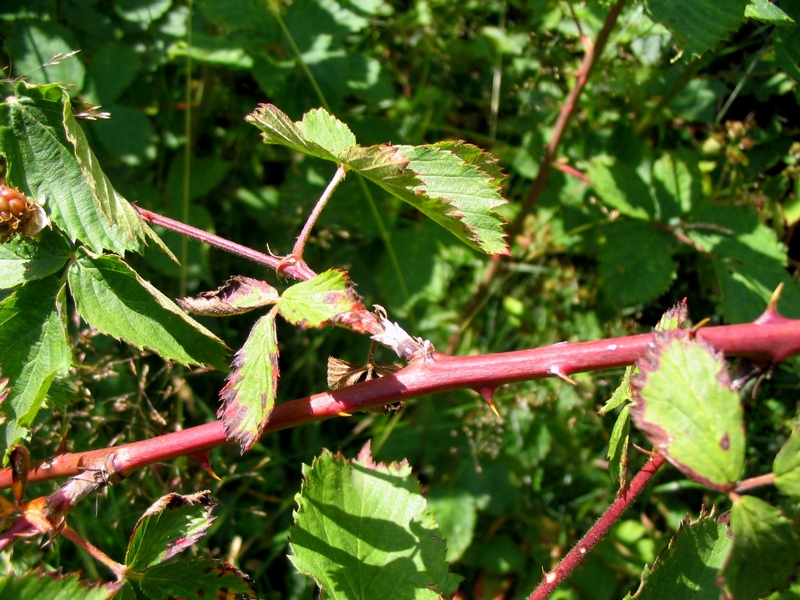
x=249 y=393
x=677 y=185
x=322 y=128
x=618 y=447
x=766 y=550
x=196 y=579
x=363 y=532
x=237 y=296
x=23 y=259
x=621 y=187
x=38 y=585
x=112 y=297
x=456 y=513
x=277 y=128
x=684 y=404
x=455 y=184
x=698 y=26
x=328 y=297
x=171 y=525
x=787 y=466
x=629 y=275
x=460 y=196
x=621 y=395
x=767 y=12
x=748 y=260
x=34 y=131
x=688 y=568
x=34 y=350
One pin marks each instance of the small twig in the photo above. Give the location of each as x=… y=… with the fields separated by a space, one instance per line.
x=100 y=556
x=298 y=271
x=748 y=485
x=598 y=530
x=299 y=246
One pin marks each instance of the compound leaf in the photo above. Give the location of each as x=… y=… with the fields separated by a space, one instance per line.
x=684 y=404
x=363 y=532
x=111 y=296
x=249 y=393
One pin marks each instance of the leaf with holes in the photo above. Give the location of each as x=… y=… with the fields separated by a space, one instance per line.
x=685 y=405
x=171 y=525
x=196 y=578
x=362 y=530
x=249 y=393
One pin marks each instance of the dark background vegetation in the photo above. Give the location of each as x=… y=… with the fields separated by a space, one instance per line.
x=513 y=494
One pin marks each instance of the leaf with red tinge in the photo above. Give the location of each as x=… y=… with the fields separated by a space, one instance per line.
x=249 y=393
x=237 y=296
x=170 y=526
x=197 y=578
x=684 y=403
x=327 y=298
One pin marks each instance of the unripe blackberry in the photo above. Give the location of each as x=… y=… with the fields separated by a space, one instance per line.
x=19 y=215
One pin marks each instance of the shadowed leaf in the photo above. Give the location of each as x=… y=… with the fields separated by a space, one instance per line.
x=196 y=578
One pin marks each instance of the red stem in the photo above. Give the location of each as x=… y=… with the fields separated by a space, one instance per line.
x=598 y=530
x=298 y=270
x=771 y=339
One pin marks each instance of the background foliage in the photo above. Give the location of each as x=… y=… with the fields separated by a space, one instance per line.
x=687 y=132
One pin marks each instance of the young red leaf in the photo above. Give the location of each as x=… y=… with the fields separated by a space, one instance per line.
x=249 y=392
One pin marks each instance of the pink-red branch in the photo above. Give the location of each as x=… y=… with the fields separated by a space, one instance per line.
x=598 y=530
x=770 y=339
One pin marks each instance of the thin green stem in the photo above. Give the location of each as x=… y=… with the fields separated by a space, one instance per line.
x=301 y=61
x=187 y=153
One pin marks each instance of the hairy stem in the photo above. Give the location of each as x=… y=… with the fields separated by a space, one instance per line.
x=598 y=530
x=300 y=244
x=298 y=271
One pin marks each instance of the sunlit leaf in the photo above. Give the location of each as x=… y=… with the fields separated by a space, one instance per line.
x=686 y=407
x=34 y=350
x=787 y=466
x=362 y=531
x=113 y=298
x=328 y=297
x=249 y=393
x=171 y=525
